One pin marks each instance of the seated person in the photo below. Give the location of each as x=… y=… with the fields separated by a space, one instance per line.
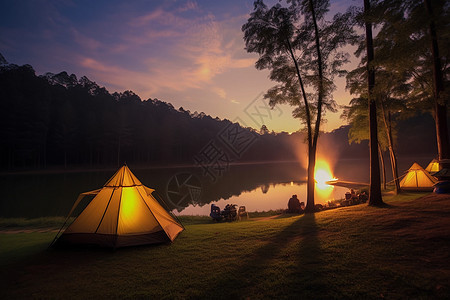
x=348 y=196
x=363 y=197
x=294 y=205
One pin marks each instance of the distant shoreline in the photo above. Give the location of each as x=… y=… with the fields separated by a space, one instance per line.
x=81 y=168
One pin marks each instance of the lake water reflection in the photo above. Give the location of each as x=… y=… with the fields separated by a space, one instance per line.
x=270 y=197
x=260 y=187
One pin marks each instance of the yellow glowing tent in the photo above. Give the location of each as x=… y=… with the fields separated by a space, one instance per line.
x=433 y=167
x=122 y=213
x=417 y=179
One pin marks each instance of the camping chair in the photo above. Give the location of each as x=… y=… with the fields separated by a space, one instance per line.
x=242 y=212
x=215 y=213
x=230 y=212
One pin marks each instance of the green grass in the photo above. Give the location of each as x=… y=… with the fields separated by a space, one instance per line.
x=47 y=222
x=398 y=251
x=57 y=222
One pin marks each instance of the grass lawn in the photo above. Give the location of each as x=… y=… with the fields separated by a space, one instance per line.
x=398 y=251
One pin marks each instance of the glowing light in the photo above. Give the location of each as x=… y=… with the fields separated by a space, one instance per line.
x=128 y=205
x=323 y=174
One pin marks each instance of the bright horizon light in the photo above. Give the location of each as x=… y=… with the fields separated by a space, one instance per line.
x=323 y=174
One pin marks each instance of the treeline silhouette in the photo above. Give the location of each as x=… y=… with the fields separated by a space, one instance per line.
x=58 y=120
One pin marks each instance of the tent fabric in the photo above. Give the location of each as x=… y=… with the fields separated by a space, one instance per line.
x=433 y=167
x=417 y=179
x=123 y=213
x=80 y=197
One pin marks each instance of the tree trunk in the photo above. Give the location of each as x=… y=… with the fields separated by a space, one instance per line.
x=438 y=82
x=118 y=153
x=392 y=155
x=442 y=131
x=45 y=156
x=383 y=167
x=375 y=197
x=311 y=149
x=91 y=154
x=310 y=205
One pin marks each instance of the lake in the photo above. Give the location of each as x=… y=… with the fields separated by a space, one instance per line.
x=185 y=190
x=270 y=197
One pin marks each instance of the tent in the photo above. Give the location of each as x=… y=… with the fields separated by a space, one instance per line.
x=122 y=213
x=417 y=179
x=433 y=167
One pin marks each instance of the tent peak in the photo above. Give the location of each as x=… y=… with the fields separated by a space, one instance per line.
x=123 y=178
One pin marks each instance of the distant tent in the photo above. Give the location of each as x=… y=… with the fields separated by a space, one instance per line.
x=433 y=167
x=417 y=179
x=123 y=213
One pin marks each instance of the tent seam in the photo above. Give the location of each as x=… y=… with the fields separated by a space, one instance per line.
x=142 y=198
x=104 y=213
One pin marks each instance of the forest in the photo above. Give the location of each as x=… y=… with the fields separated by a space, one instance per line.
x=60 y=121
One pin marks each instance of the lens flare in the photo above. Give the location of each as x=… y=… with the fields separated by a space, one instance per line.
x=323 y=173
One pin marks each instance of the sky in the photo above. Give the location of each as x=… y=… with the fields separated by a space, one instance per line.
x=185 y=52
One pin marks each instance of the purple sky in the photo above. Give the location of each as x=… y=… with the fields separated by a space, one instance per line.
x=188 y=53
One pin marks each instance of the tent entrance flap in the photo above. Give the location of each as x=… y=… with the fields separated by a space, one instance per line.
x=74 y=206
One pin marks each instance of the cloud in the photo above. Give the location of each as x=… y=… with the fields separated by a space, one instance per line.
x=165 y=51
x=147 y=83
x=190 y=5
x=220 y=92
x=174 y=51
x=206 y=47
x=145 y=19
x=83 y=40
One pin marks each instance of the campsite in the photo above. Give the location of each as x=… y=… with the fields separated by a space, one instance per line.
x=240 y=149
x=269 y=255
x=332 y=254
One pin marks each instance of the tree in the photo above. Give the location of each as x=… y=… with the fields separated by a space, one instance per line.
x=357 y=116
x=390 y=91
x=375 y=184
x=414 y=40
x=438 y=88
x=388 y=86
x=299 y=47
x=264 y=130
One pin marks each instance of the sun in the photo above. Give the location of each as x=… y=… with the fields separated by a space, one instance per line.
x=323 y=173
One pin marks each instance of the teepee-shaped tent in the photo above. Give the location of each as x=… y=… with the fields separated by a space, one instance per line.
x=123 y=213
x=433 y=167
x=417 y=179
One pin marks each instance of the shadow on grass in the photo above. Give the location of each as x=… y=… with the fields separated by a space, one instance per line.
x=38 y=261
x=382 y=205
x=289 y=265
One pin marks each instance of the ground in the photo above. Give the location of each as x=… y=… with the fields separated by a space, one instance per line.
x=397 y=251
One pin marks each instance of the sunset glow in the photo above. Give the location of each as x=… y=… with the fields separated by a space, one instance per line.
x=189 y=53
x=323 y=173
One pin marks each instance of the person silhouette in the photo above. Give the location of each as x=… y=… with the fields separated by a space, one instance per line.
x=294 y=205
